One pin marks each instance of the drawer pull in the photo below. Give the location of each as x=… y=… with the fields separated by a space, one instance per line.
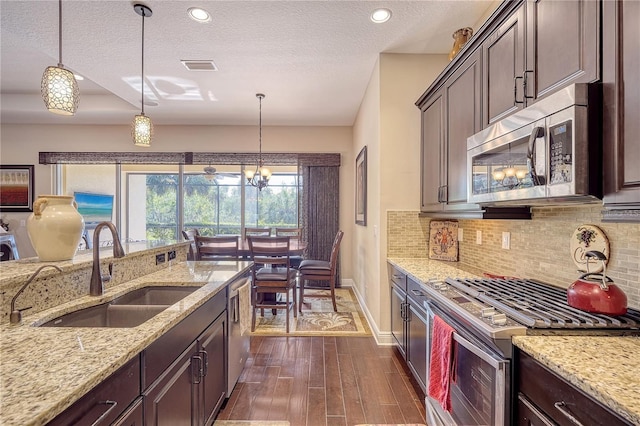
x=561 y=407
x=111 y=404
x=417 y=293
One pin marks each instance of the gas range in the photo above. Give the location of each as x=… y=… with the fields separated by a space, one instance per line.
x=501 y=308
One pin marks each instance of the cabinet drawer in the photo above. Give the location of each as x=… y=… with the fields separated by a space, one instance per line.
x=559 y=399
x=398 y=277
x=103 y=404
x=164 y=351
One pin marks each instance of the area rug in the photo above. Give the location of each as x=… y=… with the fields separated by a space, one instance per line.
x=318 y=318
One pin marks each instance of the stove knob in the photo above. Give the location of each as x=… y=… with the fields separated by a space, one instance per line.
x=488 y=312
x=440 y=286
x=499 y=319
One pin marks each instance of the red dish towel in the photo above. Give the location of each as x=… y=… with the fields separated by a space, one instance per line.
x=441 y=362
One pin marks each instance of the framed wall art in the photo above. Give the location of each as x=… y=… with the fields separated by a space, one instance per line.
x=361 y=187
x=16 y=188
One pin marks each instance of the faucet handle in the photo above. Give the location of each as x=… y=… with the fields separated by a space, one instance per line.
x=16 y=315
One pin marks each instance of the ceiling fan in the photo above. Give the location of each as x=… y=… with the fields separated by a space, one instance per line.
x=211 y=173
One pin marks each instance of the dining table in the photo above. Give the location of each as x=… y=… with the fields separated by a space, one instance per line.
x=296 y=248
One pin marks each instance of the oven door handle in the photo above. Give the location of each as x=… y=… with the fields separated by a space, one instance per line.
x=483 y=355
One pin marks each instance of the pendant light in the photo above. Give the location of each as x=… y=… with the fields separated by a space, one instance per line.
x=59 y=87
x=261 y=175
x=142 y=127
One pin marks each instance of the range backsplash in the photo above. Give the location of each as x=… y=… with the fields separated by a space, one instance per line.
x=540 y=248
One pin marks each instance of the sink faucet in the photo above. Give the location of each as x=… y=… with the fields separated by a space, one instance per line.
x=96 y=286
x=16 y=315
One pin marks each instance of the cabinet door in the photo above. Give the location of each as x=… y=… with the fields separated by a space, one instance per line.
x=621 y=92
x=503 y=56
x=172 y=399
x=432 y=162
x=417 y=357
x=463 y=108
x=213 y=351
x=131 y=417
x=397 y=318
x=562 y=45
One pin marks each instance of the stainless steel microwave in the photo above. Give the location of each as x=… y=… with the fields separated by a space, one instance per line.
x=547 y=153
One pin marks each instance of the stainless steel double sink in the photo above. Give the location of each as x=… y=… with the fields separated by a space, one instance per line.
x=128 y=310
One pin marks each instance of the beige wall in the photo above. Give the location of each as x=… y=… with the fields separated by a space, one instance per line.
x=388 y=123
x=20 y=144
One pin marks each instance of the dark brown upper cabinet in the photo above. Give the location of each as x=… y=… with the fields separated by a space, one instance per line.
x=543 y=46
x=621 y=112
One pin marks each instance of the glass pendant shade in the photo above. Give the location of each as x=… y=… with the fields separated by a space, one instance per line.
x=60 y=91
x=142 y=130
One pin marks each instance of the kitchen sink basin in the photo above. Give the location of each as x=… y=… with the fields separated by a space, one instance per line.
x=154 y=295
x=128 y=310
x=108 y=315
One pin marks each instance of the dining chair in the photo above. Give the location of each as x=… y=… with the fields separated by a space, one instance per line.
x=321 y=270
x=189 y=235
x=222 y=247
x=272 y=275
x=257 y=232
x=293 y=234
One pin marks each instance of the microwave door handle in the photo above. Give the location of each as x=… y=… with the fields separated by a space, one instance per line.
x=537 y=132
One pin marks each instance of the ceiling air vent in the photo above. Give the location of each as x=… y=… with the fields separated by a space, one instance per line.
x=199 y=65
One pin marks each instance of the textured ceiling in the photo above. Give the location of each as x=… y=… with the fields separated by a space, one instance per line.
x=312 y=59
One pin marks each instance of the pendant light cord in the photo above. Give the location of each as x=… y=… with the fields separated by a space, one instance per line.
x=142 y=73
x=260 y=132
x=60 y=33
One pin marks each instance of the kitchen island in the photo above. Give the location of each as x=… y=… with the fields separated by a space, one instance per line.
x=44 y=370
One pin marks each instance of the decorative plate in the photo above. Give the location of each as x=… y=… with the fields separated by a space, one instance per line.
x=586 y=238
x=443 y=240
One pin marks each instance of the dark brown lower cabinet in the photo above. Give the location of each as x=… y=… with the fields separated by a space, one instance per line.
x=106 y=401
x=192 y=389
x=180 y=379
x=544 y=398
x=133 y=415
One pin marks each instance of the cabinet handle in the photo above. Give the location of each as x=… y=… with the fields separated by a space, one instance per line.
x=418 y=293
x=111 y=404
x=561 y=407
x=196 y=377
x=525 y=84
x=515 y=90
x=442 y=194
x=205 y=362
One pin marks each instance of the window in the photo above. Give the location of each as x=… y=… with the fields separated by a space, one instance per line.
x=215 y=204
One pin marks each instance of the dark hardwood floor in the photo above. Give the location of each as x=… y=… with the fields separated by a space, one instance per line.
x=328 y=381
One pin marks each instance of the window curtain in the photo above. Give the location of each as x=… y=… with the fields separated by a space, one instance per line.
x=320 y=211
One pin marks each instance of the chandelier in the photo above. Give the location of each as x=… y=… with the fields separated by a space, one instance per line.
x=59 y=87
x=261 y=175
x=142 y=127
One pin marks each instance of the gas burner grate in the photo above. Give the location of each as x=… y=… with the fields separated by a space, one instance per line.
x=539 y=305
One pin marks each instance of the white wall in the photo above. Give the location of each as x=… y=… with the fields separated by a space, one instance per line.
x=20 y=144
x=389 y=124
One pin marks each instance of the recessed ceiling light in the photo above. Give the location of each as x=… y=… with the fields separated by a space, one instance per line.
x=381 y=15
x=199 y=15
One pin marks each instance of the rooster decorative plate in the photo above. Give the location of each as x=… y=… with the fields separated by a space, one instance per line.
x=443 y=240
x=586 y=238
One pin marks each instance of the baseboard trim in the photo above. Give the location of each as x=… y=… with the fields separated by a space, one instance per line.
x=382 y=338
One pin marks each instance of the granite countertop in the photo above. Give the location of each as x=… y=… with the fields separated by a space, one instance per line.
x=46 y=369
x=605 y=368
x=424 y=269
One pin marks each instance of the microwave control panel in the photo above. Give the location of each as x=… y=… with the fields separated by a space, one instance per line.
x=561 y=152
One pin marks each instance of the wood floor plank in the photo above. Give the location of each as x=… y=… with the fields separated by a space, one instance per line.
x=316 y=371
x=354 y=413
x=333 y=385
x=316 y=408
x=324 y=381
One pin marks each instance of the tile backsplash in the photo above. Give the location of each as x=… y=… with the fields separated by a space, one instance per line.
x=539 y=248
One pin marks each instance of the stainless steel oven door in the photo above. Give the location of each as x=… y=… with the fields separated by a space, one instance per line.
x=481 y=387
